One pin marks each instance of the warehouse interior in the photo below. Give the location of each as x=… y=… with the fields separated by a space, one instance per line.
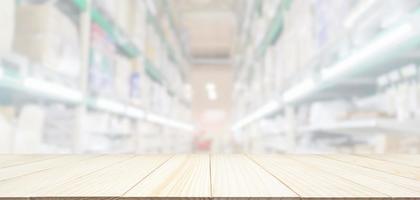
x=217 y=76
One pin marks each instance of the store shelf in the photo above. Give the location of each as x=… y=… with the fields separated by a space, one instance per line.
x=366 y=126
x=120 y=39
x=381 y=55
x=264 y=111
x=356 y=74
x=50 y=91
x=39 y=88
x=273 y=32
x=209 y=177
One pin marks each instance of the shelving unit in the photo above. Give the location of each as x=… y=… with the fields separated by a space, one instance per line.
x=76 y=95
x=345 y=66
x=366 y=126
x=51 y=91
x=331 y=82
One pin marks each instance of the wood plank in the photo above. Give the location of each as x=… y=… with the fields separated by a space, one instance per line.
x=28 y=185
x=409 y=160
x=111 y=182
x=207 y=177
x=181 y=176
x=385 y=166
x=391 y=185
x=236 y=176
x=31 y=167
x=312 y=183
x=13 y=160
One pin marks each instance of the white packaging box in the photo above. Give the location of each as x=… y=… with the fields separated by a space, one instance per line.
x=46 y=36
x=7 y=23
x=29 y=130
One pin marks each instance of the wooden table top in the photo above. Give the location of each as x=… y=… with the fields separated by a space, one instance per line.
x=204 y=176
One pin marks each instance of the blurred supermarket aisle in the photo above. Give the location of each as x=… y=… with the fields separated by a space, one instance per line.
x=176 y=76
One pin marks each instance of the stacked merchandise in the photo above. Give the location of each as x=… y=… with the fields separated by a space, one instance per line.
x=47 y=37
x=6 y=127
x=7 y=12
x=102 y=63
x=110 y=72
x=59 y=128
x=123 y=75
x=29 y=130
x=149 y=138
x=111 y=134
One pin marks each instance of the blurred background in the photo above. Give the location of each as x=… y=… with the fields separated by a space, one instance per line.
x=220 y=76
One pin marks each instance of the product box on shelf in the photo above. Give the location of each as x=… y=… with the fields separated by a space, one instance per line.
x=47 y=37
x=102 y=63
x=7 y=128
x=59 y=128
x=124 y=14
x=123 y=73
x=29 y=130
x=7 y=22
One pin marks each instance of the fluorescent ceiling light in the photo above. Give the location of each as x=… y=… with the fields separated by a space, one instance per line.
x=210 y=86
x=374 y=50
x=53 y=90
x=358 y=12
x=212 y=95
x=265 y=110
x=211 y=91
x=168 y=122
x=135 y=112
x=109 y=105
x=299 y=91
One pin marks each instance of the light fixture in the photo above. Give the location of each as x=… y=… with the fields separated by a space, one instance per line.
x=265 y=110
x=212 y=95
x=210 y=86
x=52 y=90
x=211 y=91
x=109 y=105
x=188 y=91
x=168 y=122
x=299 y=91
x=134 y=112
x=378 y=48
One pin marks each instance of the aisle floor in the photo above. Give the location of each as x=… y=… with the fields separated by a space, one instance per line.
x=209 y=176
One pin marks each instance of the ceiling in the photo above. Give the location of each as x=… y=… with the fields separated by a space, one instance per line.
x=207 y=27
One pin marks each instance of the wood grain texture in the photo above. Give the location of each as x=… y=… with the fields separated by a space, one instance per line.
x=112 y=181
x=385 y=166
x=312 y=183
x=14 y=160
x=181 y=176
x=203 y=176
x=32 y=167
x=409 y=160
x=388 y=184
x=28 y=185
x=236 y=176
